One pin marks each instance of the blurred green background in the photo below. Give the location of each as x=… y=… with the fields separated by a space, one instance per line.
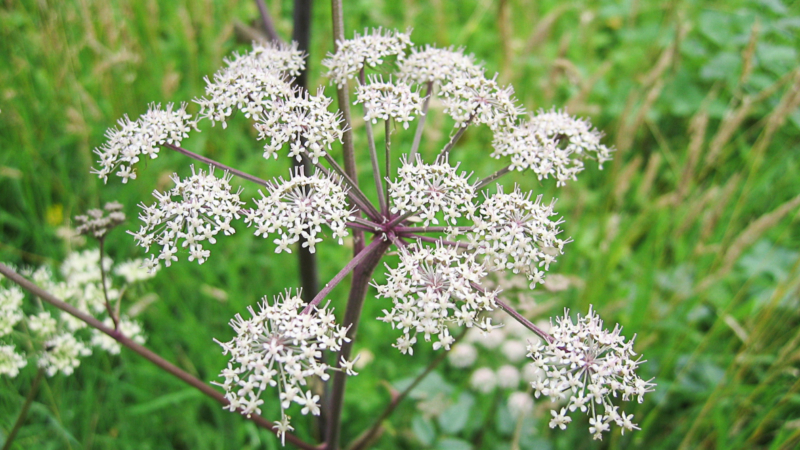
x=689 y=238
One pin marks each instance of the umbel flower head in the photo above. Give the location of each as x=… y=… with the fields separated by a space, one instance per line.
x=280 y=346
x=589 y=366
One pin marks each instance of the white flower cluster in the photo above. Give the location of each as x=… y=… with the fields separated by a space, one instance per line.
x=10 y=308
x=10 y=361
x=303 y=120
x=432 y=288
x=142 y=137
x=203 y=207
x=432 y=64
x=60 y=341
x=589 y=365
x=367 y=49
x=62 y=353
x=517 y=234
x=298 y=207
x=388 y=100
x=428 y=189
x=574 y=135
x=97 y=223
x=251 y=83
x=280 y=346
x=10 y=314
x=479 y=100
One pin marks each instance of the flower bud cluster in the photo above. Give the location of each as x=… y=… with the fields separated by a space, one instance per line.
x=388 y=100
x=588 y=365
x=368 y=49
x=194 y=211
x=432 y=288
x=297 y=207
x=142 y=138
x=282 y=347
x=429 y=189
x=517 y=234
x=97 y=223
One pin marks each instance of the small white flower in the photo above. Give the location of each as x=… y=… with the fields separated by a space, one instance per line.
x=10 y=308
x=62 y=354
x=517 y=234
x=368 y=49
x=432 y=64
x=134 y=270
x=588 y=365
x=42 y=325
x=142 y=138
x=508 y=377
x=279 y=346
x=97 y=223
x=298 y=207
x=432 y=288
x=194 y=211
x=430 y=189
x=462 y=355
x=479 y=100
x=388 y=100
x=11 y=361
x=251 y=83
x=576 y=136
x=514 y=351
x=483 y=380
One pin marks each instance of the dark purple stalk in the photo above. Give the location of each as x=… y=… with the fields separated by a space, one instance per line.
x=377 y=243
x=421 y=123
x=436 y=240
x=373 y=153
x=521 y=319
x=457 y=136
x=343 y=98
x=355 y=302
x=216 y=164
x=363 y=203
x=266 y=21
x=481 y=184
x=363 y=227
x=428 y=229
x=141 y=350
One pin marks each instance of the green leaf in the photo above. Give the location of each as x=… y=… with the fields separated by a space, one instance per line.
x=423 y=429
x=453 y=444
x=164 y=401
x=455 y=418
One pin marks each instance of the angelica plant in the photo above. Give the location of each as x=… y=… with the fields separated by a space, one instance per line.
x=451 y=228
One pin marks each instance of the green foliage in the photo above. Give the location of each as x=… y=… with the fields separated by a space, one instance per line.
x=689 y=237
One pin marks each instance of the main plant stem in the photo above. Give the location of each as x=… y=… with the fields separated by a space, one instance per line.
x=355 y=302
x=141 y=350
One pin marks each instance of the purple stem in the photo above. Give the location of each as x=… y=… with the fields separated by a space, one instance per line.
x=377 y=243
x=456 y=136
x=216 y=164
x=481 y=184
x=355 y=302
x=142 y=351
x=435 y=240
x=421 y=123
x=428 y=229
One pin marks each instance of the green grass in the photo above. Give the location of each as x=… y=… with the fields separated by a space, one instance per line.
x=689 y=238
